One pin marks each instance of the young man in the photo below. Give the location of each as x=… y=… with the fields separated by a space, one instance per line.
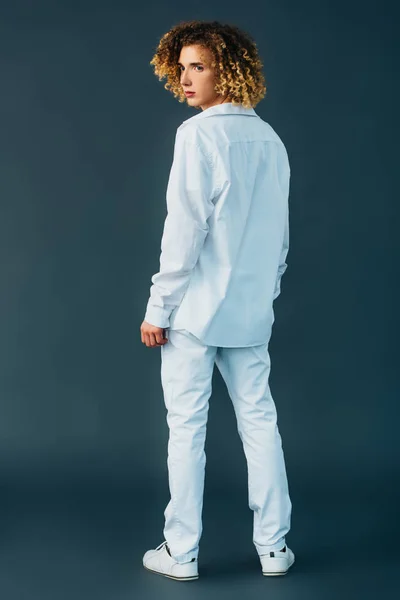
x=223 y=252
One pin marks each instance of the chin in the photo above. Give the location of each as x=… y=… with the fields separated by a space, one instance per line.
x=193 y=101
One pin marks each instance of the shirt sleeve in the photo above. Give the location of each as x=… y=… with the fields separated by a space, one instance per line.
x=189 y=205
x=282 y=261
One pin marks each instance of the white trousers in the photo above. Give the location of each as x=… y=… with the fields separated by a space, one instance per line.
x=186 y=373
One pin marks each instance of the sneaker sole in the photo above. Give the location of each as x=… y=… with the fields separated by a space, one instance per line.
x=269 y=573
x=172 y=576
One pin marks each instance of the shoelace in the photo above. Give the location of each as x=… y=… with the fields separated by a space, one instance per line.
x=164 y=543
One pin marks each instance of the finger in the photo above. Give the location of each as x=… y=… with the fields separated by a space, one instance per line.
x=160 y=338
x=152 y=339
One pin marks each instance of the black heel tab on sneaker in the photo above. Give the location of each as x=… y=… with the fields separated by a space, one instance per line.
x=272 y=554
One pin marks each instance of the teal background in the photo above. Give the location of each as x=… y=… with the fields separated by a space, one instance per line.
x=86 y=146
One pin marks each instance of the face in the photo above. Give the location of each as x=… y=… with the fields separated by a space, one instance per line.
x=197 y=75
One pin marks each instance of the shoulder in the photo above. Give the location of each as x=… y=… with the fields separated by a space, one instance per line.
x=192 y=138
x=189 y=132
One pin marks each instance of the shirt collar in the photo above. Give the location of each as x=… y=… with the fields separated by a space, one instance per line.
x=226 y=108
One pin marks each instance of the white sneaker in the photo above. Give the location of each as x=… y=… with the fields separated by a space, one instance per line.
x=277 y=562
x=160 y=561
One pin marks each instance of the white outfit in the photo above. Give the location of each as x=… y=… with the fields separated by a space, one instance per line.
x=186 y=373
x=226 y=233
x=223 y=253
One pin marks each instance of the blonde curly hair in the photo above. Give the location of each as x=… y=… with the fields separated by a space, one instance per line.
x=238 y=67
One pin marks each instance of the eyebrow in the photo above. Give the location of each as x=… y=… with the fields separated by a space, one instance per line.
x=190 y=64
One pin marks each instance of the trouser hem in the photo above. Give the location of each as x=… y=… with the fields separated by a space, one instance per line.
x=273 y=547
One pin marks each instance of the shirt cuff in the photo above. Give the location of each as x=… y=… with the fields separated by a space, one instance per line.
x=157 y=316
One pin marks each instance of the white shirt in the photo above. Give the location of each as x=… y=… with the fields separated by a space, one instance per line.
x=226 y=233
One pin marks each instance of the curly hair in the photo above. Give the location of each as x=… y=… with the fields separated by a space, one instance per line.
x=238 y=67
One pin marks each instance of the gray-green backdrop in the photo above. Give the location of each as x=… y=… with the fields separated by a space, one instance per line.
x=86 y=145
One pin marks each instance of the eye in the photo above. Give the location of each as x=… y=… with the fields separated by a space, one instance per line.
x=196 y=67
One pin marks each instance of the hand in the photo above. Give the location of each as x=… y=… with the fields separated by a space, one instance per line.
x=152 y=336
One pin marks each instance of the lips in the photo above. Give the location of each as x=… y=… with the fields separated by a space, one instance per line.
x=189 y=93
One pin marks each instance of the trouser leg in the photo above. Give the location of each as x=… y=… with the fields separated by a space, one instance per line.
x=186 y=375
x=246 y=374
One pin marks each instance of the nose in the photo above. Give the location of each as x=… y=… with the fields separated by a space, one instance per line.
x=184 y=78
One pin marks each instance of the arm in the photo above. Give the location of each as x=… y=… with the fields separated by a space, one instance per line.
x=189 y=205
